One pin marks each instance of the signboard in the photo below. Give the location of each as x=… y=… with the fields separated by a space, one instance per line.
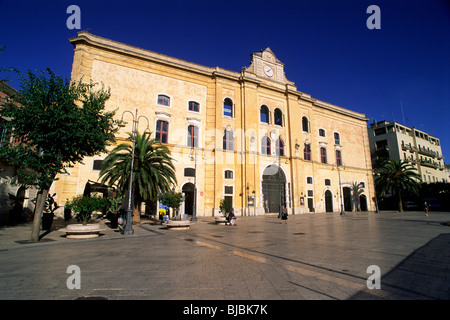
x=250 y=201
x=302 y=201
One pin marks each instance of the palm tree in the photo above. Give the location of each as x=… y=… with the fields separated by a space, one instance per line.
x=396 y=177
x=153 y=171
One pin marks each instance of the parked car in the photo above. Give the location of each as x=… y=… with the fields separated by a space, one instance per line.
x=410 y=205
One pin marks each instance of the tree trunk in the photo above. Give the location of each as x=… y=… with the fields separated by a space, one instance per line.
x=400 y=204
x=38 y=209
x=137 y=212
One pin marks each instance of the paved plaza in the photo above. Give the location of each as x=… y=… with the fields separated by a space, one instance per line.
x=312 y=257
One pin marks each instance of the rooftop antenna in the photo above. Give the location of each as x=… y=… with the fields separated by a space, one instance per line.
x=403 y=115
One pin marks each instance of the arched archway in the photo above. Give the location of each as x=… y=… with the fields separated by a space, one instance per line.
x=273 y=189
x=347 y=198
x=188 y=191
x=328 y=201
x=363 y=202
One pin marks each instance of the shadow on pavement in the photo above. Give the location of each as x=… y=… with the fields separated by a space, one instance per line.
x=423 y=275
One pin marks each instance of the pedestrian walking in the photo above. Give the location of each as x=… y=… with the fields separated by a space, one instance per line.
x=426 y=207
x=283 y=214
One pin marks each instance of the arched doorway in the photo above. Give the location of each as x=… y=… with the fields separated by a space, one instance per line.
x=328 y=201
x=273 y=188
x=363 y=202
x=347 y=198
x=188 y=191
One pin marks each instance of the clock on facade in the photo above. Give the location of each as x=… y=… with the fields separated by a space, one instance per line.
x=268 y=71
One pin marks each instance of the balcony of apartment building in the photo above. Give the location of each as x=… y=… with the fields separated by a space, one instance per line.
x=427 y=152
x=430 y=163
x=408 y=146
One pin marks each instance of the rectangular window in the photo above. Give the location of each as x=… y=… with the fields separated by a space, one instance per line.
x=228 y=194
x=97 y=165
x=162 y=131
x=323 y=155
x=307 y=152
x=338 y=158
x=192 y=136
x=228 y=140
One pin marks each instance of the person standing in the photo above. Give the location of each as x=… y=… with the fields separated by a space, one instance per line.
x=427 y=207
x=284 y=214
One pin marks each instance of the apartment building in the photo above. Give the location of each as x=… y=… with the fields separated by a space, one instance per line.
x=396 y=141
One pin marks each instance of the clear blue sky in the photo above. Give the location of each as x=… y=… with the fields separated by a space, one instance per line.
x=325 y=45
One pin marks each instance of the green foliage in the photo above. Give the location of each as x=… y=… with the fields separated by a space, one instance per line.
x=172 y=199
x=57 y=124
x=85 y=205
x=225 y=206
x=396 y=177
x=153 y=170
x=115 y=203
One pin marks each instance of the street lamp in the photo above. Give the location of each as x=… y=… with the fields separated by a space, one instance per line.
x=375 y=194
x=340 y=190
x=128 y=230
x=194 y=211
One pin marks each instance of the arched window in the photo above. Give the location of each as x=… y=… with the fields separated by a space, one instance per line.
x=337 y=138
x=280 y=147
x=305 y=124
x=228 y=140
x=264 y=114
x=228 y=108
x=265 y=145
x=322 y=132
x=163 y=100
x=194 y=106
x=278 y=117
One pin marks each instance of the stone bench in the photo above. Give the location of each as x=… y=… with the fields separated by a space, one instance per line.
x=178 y=224
x=79 y=231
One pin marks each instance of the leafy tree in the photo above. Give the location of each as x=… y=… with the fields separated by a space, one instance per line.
x=55 y=124
x=153 y=170
x=172 y=199
x=225 y=206
x=396 y=177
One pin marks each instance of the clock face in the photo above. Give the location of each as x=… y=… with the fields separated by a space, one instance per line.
x=268 y=71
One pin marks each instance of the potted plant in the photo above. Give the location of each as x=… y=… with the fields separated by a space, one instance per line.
x=113 y=212
x=84 y=206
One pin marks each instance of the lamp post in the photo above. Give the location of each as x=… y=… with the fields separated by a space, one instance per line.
x=340 y=190
x=194 y=207
x=128 y=230
x=375 y=195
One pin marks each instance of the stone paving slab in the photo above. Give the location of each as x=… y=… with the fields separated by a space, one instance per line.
x=313 y=257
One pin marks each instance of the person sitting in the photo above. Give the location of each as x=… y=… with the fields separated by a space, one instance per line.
x=231 y=219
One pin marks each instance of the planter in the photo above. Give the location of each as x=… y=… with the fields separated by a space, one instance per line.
x=219 y=220
x=178 y=224
x=80 y=231
x=47 y=221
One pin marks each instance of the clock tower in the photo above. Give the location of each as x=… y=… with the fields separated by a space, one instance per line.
x=265 y=65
